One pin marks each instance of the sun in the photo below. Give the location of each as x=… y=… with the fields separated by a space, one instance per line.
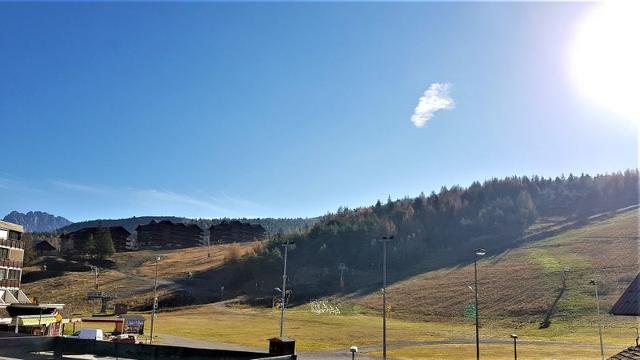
x=605 y=57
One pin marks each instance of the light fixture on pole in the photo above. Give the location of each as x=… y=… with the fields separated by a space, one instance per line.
x=477 y=253
x=284 y=286
x=595 y=285
x=384 y=240
x=354 y=350
x=155 y=299
x=515 y=347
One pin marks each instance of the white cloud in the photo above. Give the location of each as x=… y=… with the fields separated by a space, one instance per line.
x=435 y=98
x=170 y=200
x=83 y=188
x=153 y=201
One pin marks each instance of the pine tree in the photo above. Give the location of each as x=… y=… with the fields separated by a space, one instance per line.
x=103 y=244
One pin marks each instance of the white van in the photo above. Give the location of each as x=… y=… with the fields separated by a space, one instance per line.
x=91 y=334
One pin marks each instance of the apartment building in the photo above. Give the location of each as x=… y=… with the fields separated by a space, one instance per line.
x=11 y=256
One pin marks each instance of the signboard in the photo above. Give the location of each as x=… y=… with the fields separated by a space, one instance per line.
x=93 y=295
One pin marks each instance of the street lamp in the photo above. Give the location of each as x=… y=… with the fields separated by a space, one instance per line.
x=477 y=253
x=284 y=286
x=354 y=350
x=595 y=284
x=515 y=347
x=155 y=299
x=384 y=240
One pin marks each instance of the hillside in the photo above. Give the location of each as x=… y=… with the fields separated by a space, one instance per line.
x=433 y=232
x=525 y=282
x=129 y=276
x=522 y=282
x=530 y=227
x=37 y=221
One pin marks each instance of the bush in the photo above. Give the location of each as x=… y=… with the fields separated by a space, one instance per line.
x=233 y=254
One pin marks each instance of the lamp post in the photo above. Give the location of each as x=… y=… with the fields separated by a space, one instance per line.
x=595 y=285
x=284 y=286
x=384 y=240
x=155 y=299
x=515 y=347
x=477 y=253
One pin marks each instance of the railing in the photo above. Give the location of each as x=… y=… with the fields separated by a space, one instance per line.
x=9 y=283
x=12 y=243
x=11 y=263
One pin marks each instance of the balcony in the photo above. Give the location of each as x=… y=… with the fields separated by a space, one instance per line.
x=11 y=263
x=12 y=243
x=9 y=283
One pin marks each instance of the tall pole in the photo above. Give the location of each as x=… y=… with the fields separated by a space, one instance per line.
x=475 y=268
x=384 y=240
x=155 y=299
x=284 y=289
x=515 y=347
x=595 y=284
x=477 y=252
x=94 y=269
x=384 y=300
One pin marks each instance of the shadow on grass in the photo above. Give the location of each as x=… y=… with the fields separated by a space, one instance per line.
x=552 y=310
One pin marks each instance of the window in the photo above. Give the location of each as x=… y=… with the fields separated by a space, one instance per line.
x=4 y=253
x=3 y=273
x=14 y=274
x=3 y=234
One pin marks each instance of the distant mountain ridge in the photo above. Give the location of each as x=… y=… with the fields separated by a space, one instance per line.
x=37 y=221
x=271 y=225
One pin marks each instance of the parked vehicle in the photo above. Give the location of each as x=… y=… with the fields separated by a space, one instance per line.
x=90 y=334
x=126 y=338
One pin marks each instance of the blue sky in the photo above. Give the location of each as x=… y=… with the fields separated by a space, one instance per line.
x=112 y=110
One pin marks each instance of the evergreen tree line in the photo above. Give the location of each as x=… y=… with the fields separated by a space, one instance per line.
x=446 y=226
x=99 y=246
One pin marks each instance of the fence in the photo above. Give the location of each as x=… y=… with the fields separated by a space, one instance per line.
x=24 y=346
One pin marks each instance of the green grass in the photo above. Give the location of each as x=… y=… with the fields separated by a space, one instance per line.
x=407 y=339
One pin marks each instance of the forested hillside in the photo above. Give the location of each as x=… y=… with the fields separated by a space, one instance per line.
x=443 y=228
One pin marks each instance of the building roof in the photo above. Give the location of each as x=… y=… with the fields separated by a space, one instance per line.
x=237 y=224
x=631 y=353
x=95 y=228
x=629 y=302
x=11 y=226
x=44 y=245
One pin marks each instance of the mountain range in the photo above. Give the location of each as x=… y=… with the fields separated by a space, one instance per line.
x=37 y=221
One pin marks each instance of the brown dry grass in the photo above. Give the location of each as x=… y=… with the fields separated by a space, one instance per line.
x=131 y=279
x=524 y=282
x=176 y=264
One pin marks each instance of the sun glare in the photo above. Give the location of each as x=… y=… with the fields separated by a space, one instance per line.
x=605 y=58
